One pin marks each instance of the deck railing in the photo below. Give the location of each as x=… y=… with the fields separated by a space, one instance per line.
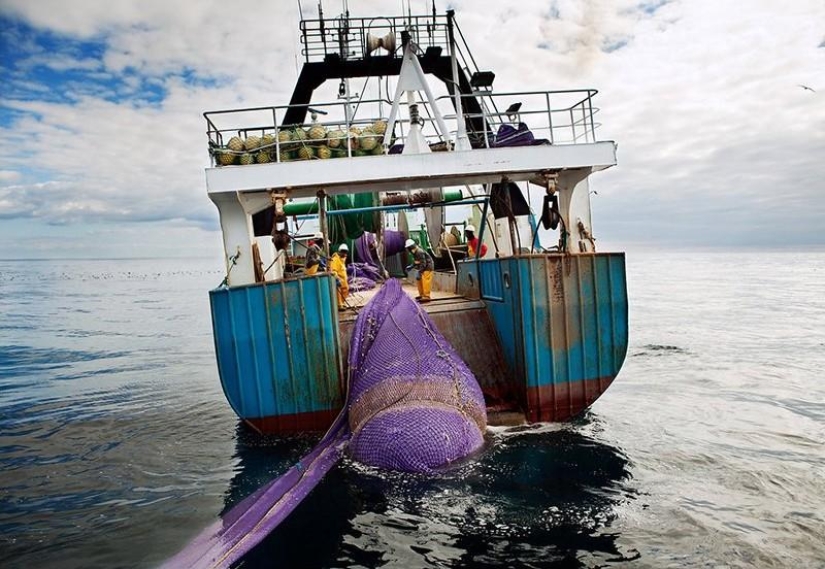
x=557 y=117
x=347 y=37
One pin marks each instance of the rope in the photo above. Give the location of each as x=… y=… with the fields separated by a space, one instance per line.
x=275 y=260
x=234 y=260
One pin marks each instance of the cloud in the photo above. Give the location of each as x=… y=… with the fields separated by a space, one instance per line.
x=9 y=176
x=101 y=117
x=133 y=162
x=60 y=62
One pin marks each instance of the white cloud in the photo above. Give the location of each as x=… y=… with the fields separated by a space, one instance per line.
x=717 y=142
x=60 y=62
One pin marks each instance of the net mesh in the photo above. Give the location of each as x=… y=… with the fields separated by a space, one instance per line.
x=363 y=276
x=413 y=404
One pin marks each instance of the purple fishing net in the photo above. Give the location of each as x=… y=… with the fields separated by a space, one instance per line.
x=364 y=271
x=226 y=542
x=393 y=244
x=357 y=284
x=413 y=404
x=364 y=247
x=509 y=135
x=362 y=276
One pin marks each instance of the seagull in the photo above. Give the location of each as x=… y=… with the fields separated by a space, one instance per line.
x=512 y=110
x=807 y=88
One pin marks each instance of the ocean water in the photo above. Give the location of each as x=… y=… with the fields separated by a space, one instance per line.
x=117 y=446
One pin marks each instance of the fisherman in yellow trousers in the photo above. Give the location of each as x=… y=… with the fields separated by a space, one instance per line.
x=338 y=267
x=423 y=263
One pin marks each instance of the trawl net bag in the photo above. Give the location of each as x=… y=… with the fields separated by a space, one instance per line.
x=414 y=405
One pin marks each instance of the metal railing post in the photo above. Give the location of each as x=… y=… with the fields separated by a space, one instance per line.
x=590 y=106
x=573 y=126
x=322 y=214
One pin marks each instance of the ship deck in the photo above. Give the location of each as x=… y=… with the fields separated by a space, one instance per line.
x=464 y=323
x=442 y=301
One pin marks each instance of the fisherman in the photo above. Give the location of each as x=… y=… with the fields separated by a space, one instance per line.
x=423 y=263
x=472 y=242
x=313 y=257
x=338 y=267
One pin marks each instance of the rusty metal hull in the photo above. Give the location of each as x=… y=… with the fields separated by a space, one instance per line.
x=277 y=352
x=562 y=324
x=544 y=335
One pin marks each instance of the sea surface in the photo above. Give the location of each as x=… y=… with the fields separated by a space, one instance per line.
x=117 y=445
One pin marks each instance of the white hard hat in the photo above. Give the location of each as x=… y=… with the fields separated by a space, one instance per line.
x=318 y=236
x=343 y=247
x=470 y=228
x=409 y=243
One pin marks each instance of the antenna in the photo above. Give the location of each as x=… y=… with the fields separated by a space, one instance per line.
x=408 y=12
x=321 y=18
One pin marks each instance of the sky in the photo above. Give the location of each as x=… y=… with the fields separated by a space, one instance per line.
x=719 y=144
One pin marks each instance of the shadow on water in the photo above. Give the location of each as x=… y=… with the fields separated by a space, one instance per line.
x=537 y=497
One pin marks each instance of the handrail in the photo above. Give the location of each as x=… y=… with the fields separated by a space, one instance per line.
x=563 y=116
x=321 y=38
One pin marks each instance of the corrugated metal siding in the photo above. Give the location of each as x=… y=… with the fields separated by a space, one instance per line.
x=508 y=323
x=491 y=282
x=277 y=346
x=577 y=324
x=562 y=324
x=467 y=279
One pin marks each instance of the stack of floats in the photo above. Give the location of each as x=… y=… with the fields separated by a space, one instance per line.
x=316 y=142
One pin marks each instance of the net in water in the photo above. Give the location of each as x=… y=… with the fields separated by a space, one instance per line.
x=414 y=405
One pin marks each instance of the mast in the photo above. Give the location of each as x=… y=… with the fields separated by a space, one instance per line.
x=462 y=142
x=343 y=50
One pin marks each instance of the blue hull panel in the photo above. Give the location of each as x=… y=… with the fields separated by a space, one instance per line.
x=277 y=350
x=562 y=324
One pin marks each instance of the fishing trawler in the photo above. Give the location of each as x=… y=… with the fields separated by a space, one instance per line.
x=413 y=142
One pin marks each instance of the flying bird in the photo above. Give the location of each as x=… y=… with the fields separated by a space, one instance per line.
x=807 y=88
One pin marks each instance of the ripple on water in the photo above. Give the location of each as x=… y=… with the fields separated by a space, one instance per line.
x=536 y=496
